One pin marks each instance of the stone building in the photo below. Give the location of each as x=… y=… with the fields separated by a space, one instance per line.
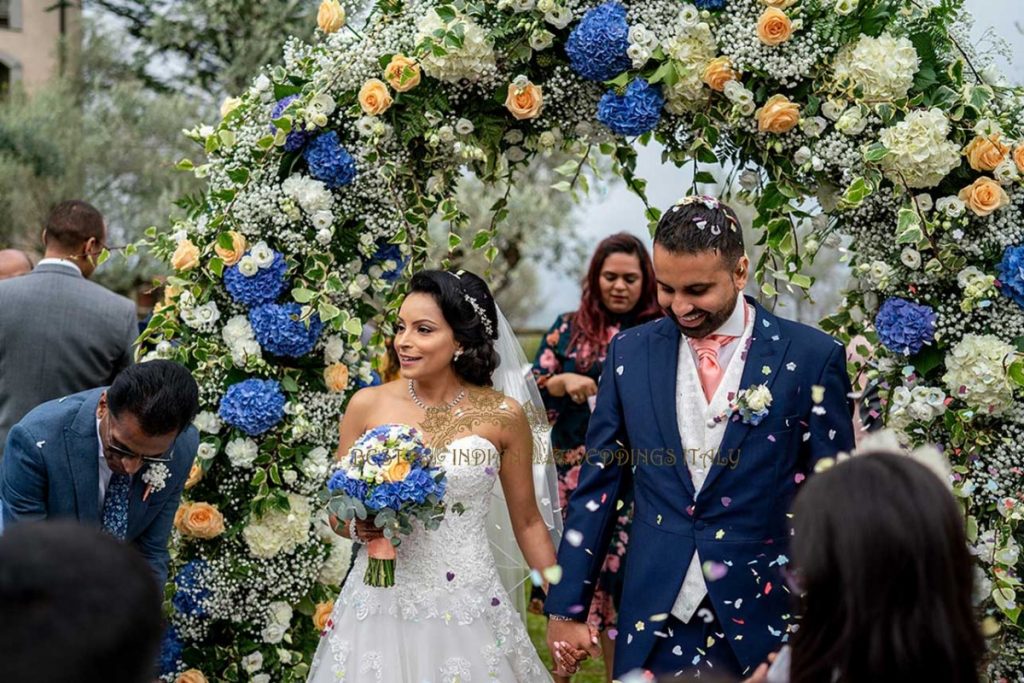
x=37 y=40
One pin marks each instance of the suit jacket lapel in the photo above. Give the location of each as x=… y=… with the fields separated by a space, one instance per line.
x=82 y=450
x=664 y=357
x=767 y=350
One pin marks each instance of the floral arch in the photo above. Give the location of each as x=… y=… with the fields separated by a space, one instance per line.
x=323 y=175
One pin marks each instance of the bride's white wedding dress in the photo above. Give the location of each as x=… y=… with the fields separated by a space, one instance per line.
x=447 y=619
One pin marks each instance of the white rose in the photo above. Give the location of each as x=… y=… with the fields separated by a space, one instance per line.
x=924 y=202
x=206 y=451
x=515 y=154
x=545 y=5
x=261 y=678
x=952 y=206
x=1007 y=172
x=280 y=612
x=324 y=236
x=261 y=83
x=833 y=109
x=446 y=133
x=845 y=7
x=207 y=421
x=252 y=662
x=273 y=634
x=852 y=122
x=262 y=254
x=689 y=15
x=248 y=266
x=802 y=156
x=911 y=258
x=813 y=126
x=242 y=452
x=290 y=477
x=523 y=5
x=759 y=398
x=749 y=180
x=541 y=39
x=920 y=412
x=322 y=104
x=323 y=220
x=514 y=137
x=559 y=17
x=208 y=312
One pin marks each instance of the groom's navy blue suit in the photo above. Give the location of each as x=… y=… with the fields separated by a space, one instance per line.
x=739 y=518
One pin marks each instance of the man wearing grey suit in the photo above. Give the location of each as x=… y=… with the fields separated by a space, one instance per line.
x=60 y=333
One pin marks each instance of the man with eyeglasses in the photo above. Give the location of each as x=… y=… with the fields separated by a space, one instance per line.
x=116 y=457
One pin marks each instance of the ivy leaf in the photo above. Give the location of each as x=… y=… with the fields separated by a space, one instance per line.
x=303 y=295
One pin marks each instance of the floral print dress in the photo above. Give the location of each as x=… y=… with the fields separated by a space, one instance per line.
x=569 y=421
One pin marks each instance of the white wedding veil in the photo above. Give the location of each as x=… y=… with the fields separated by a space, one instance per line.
x=514 y=378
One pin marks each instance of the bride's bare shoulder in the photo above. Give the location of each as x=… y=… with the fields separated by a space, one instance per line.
x=366 y=398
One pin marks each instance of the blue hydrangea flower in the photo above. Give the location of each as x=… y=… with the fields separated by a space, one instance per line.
x=191 y=593
x=170 y=652
x=635 y=112
x=263 y=287
x=329 y=161
x=390 y=252
x=385 y=496
x=254 y=405
x=709 y=4
x=597 y=46
x=296 y=138
x=1011 y=273
x=905 y=327
x=342 y=483
x=374 y=380
x=280 y=331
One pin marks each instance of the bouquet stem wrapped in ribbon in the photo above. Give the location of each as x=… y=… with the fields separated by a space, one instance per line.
x=387 y=476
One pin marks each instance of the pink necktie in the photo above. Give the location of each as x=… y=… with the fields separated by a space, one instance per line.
x=708 y=369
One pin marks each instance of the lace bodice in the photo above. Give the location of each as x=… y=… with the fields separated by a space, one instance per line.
x=443 y=578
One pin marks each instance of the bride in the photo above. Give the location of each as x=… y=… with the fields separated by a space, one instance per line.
x=449 y=618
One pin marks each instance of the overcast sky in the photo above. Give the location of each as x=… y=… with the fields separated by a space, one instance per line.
x=619 y=209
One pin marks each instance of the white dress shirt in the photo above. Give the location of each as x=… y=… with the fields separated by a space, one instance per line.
x=105 y=471
x=59 y=262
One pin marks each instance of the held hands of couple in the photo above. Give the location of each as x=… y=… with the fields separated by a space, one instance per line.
x=570 y=642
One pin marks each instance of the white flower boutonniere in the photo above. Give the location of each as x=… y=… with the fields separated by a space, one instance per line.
x=753 y=403
x=155 y=476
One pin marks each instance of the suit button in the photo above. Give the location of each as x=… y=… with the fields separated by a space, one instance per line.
x=699 y=525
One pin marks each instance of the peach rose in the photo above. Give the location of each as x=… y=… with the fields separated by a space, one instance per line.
x=524 y=99
x=402 y=73
x=336 y=377
x=194 y=475
x=774 y=27
x=1018 y=157
x=779 y=4
x=397 y=470
x=186 y=256
x=191 y=676
x=321 y=614
x=199 y=520
x=331 y=16
x=986 y=153
x=236 y=252
x=778 y=115
x=984 y=196
x=374 y=97
x=718 y=72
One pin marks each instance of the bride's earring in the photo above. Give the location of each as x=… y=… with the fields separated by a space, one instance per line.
x=458 y=354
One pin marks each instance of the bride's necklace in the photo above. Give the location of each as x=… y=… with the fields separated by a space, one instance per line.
x=446 y=406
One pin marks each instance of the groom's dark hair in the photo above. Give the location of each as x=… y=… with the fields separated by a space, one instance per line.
x=77 y=606
x=701 y=224
x=161 y=394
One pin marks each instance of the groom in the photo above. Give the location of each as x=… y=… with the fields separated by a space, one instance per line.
x=713 y=415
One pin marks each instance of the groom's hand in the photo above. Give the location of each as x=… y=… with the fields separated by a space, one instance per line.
x=569 y=642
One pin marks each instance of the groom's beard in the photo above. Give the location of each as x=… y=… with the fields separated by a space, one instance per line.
x=712 y=321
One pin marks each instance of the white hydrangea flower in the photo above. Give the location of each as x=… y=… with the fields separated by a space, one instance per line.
x=920 y=151
x=245 y=350
x=237 y=329
x=883 y=67
x=279 y=531
x=471 y=62
x=976 y=373
x=242 y=452
x=336 y=565
x=208 y=422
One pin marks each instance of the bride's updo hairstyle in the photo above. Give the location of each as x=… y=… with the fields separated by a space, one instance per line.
x=469 y=309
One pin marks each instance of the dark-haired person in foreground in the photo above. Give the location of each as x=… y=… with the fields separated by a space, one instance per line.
x=59 y=332
x=713 y=416
x=77 y=607
x=116 y=457
x=884 y=575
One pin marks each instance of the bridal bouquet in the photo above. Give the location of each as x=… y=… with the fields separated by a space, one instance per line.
x=386 y=475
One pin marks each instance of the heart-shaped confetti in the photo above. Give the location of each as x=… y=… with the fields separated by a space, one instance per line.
x=678 y=650
x=726 y=501
x=799 y=477
x=450 y=576
x=553 y=574
x=495 y=602
x=574 y=538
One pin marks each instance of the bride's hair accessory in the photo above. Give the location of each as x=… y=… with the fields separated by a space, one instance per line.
x=488 y=325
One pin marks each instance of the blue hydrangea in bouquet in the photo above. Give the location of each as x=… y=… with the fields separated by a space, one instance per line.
x=387 y=476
